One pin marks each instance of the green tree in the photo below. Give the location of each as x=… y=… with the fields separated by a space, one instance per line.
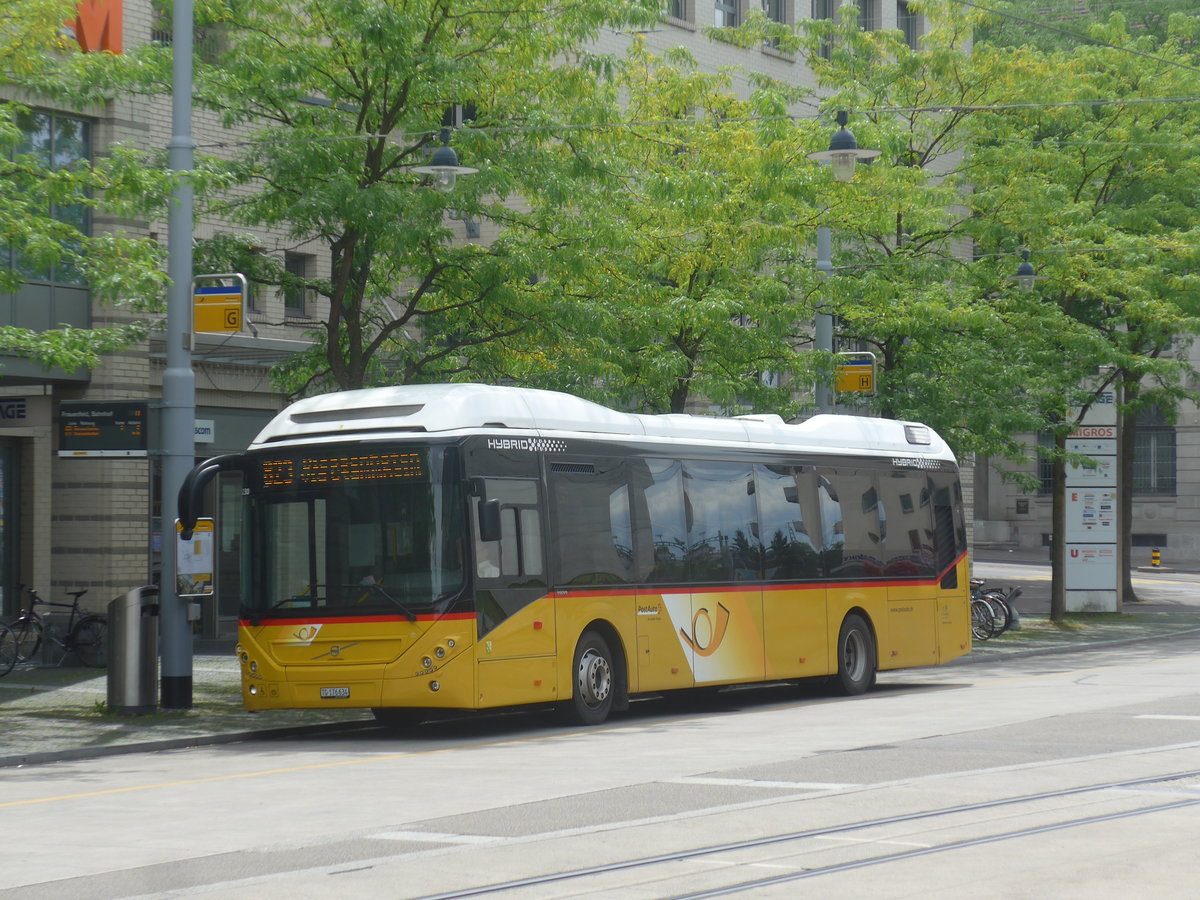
x=671 y=269
x=336 y=102
x=43 y=207
x=1105 y=180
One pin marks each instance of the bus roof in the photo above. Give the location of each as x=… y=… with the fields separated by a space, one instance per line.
x=434 y=408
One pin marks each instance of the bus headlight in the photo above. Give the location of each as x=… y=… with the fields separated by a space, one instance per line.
x=439 y=652
x=434 y=686
x=426 y=663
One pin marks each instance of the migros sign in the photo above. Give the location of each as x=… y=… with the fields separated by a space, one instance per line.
x=98 y=25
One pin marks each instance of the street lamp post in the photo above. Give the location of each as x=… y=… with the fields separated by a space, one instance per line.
x=842 y=155
x=179 y=381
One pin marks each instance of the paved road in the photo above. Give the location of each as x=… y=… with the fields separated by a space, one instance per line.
x=945 y=782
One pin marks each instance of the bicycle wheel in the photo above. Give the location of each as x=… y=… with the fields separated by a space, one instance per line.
x=89 y=640
x=1000 y=610
x=8 y=650
x=983 y=622
x=27 y=632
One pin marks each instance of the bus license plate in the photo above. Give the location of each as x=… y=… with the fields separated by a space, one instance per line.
x=335 y=693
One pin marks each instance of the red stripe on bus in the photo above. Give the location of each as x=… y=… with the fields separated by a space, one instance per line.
x=355 y=620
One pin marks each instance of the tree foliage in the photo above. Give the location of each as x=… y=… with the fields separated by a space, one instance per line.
x=671 y=270
x=44 y=206
x=337 y=101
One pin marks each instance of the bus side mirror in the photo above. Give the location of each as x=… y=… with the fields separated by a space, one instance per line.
x=190 y=492
x=489 y=520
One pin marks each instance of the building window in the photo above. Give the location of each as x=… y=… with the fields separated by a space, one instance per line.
x=824 y=9
x=909 y=23
x=725 y=13
x=1045 y=465
x=55 y=142
x=295 y=289
x=780 y=11
x=868 y=15
x=1154 y=455
x=680 y=9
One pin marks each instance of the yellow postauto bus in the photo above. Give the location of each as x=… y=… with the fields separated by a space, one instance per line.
x=465 y=546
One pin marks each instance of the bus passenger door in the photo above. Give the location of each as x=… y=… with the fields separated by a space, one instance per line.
x=514 y=614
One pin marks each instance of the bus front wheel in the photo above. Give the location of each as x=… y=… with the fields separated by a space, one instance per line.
x=593 y=681
x=856 y=656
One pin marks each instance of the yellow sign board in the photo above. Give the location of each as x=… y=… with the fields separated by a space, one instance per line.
x=217 y=309
x=856 y=375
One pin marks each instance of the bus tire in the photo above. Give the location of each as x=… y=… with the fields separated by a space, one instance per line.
x=398 y=717
x=593 y=681
x=856 y=656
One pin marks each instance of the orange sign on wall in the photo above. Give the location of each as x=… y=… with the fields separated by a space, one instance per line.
x=98 y=25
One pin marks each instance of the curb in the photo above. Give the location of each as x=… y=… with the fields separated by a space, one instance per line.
x=154 y=746
x=1079 y=647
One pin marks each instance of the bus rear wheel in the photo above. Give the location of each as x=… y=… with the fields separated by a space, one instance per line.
x=856 y=656
x=593 y=681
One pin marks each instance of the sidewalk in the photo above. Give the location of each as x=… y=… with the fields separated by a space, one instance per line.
x=50 y=713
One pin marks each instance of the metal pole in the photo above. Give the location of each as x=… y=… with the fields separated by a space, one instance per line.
x=179 y=382
x=824 y=321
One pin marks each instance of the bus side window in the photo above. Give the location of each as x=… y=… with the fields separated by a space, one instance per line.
x=946 y=546
x=518 y=553
x=786 y=509
x=833 y=537
x=722 y=519
x=592 y=530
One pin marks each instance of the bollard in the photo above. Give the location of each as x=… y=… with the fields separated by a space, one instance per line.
x=1155 y=558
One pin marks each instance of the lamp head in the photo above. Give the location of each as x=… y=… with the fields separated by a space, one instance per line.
x=443 y=166
x=843 y=152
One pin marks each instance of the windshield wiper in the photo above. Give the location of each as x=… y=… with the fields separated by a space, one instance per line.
x=378 y=588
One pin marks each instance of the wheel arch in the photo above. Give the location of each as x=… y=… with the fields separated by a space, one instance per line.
x=612 y=637
x=866 y=617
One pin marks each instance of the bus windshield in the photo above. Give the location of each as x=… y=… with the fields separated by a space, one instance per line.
x=341 y=531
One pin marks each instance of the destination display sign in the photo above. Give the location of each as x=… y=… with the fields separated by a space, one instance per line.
x=324 y=469
x=102 y=428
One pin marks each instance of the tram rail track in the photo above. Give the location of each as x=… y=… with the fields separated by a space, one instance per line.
x=849 y=828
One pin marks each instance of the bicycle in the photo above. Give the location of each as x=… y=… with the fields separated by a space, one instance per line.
x=8 y=650
x=86 y=634
x=983 y=619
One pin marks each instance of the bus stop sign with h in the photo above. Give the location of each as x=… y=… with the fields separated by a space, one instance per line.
x=856 y=372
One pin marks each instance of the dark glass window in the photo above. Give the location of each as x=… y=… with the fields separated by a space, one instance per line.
x=833 y=537
x=909 y=23
x=1045 y=464
x=787 y=509
x=722 y=522
x=868 y=15
x=294 y=290
x=519 y=550
x=909 y=545
x=725 y=13
x=592 y=525
x=824 y=9
x=56 y=142
x=668 y=528
x=864 y=525
x=1154 y=454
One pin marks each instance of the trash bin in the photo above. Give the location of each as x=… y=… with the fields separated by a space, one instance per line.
x=133 y=651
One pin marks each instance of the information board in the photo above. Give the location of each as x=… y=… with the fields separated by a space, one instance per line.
x=102 y=428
